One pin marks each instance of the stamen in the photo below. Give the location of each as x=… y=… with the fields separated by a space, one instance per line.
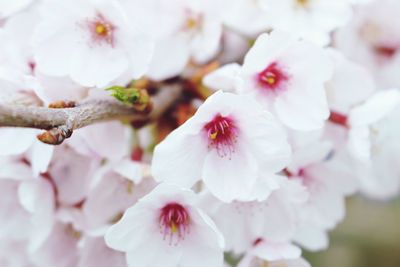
x=174 y=222
x=272 y=77
x=221 y=134
x=101 y=30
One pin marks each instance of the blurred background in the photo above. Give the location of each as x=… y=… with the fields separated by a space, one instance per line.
x=369 y=236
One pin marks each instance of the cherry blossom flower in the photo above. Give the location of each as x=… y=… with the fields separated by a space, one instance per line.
x=327 y=184
x=374 y=41
x=112 y=191
x=275 y=219
x=327 y=181
x=18 y=55
x=232 y=149
x=249 y=18
x=277 y=70
x=373 y=130
x=23 y=142
x=191 y=30
x=99 y=42
x=367 y=120
x=167 y=222
x=348 y=76
x=313 y=20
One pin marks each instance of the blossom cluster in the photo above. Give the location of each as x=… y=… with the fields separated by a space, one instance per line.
x=288 y=107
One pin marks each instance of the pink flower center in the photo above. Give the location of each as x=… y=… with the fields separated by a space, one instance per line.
x=272 y=77
x=386 y=51
x=101 y=30
x=193 y=21
x=222 y=135
x=174 y=222
x=257 y=241
x=302 y=3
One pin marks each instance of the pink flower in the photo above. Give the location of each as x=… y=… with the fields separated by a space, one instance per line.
x=94 y=42
x=288 y=76
x=168 y=223
x=234 y=146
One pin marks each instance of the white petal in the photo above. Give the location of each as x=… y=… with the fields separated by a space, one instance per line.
x=276 y=251
x=231 y=177
x=108 y=140
x=134 y=229
x=378 y=106
x=223 y=78
x=54 y=52
x=267 y=48
x=154 y=254
x=170 y=58
x=96 y=254
x=14 y=141
x=129 y=169
x=312 y=239
x=41 y=155
x=203 y=246
x=97 y=66
x=179 y=158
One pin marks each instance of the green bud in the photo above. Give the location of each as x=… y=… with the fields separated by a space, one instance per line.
x=125 y=95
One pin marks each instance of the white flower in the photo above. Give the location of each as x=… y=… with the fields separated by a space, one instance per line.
x=274 y=219
x=327 y=184
x=350 y=85
x=249 y=18
x=165 y=229
x=373 y=134
x=15 y=48
x=313 y=20
x=309 y=19
x=94 y=42
x=17 y=54
x=111 y=193
x=23 y=142
x=287 y=75
x=372 y=121
x=327 y=181
x=373 y=41
x=183 y=31
x=231 y=144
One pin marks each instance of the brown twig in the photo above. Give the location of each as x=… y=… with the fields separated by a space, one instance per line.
x=61 y=122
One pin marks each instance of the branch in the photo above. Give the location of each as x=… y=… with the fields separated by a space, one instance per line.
x=60 y=123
